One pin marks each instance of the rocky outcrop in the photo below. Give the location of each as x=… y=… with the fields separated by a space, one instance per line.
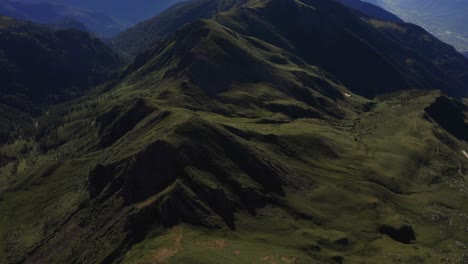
x=450 y=115
x=120 y=120
x=404 y=234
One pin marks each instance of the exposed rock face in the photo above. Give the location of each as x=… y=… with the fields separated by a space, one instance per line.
x=140 y=176
x=450 y=115
x=117 y=122
x=187 y=180
x=404 y=234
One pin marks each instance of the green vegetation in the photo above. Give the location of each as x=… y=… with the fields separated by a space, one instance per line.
x=229 y=142
x=137 y=39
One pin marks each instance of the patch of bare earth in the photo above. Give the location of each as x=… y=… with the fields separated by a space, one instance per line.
x=216 y=244
x=162 y=255
x=280 y=260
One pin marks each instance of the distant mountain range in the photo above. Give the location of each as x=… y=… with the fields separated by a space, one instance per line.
x=447 y=19
x=63 y=16
x=130 y=11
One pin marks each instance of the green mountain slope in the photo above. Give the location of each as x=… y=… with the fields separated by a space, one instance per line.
x=230 y=141
x=391 y=56
x=142 y=36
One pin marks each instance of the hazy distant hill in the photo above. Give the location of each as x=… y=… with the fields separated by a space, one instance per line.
x=62 y=16
x=132 y=11
x=447 y=19
x=371 y=10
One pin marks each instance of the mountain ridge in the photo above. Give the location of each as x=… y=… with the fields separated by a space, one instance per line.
x=150 y=31
x=395 y=36
x=231 y=141
x=377 y=35
x=129 y=12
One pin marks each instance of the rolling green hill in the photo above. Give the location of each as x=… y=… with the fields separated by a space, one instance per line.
x=250 y=138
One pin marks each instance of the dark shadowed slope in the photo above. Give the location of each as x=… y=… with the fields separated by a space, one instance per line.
x=39 y=66
x=39 y=63
x=368 y=55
